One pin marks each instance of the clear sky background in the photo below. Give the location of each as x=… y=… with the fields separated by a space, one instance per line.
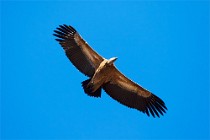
x=162 y=45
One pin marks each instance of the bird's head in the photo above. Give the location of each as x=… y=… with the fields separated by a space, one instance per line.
x=112 y=60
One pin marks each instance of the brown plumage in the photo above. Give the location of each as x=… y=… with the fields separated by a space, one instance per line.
x=104 y=75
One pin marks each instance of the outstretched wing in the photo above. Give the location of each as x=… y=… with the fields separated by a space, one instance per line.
x=83 y=57
x=132 y=95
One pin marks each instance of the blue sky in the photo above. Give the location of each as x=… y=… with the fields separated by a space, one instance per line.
x=162 y=45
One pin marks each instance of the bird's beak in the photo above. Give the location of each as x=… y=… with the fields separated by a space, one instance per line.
x=112 y=60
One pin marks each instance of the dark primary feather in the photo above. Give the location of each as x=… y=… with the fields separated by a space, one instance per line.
x=83 y=57
x=64 y=32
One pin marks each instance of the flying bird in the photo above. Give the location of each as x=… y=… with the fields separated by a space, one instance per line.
x=104 y=75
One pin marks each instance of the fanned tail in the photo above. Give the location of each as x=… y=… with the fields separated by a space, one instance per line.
x=88 y=89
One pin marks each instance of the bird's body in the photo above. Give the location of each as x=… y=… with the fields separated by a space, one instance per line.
x=104 y=75
x=100 y=76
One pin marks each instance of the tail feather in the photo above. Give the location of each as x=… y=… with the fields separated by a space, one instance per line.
x=88 y=88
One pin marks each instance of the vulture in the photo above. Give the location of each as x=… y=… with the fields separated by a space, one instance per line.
x=103 y=74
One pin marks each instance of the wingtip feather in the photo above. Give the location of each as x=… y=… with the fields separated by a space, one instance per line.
x=64 y=32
